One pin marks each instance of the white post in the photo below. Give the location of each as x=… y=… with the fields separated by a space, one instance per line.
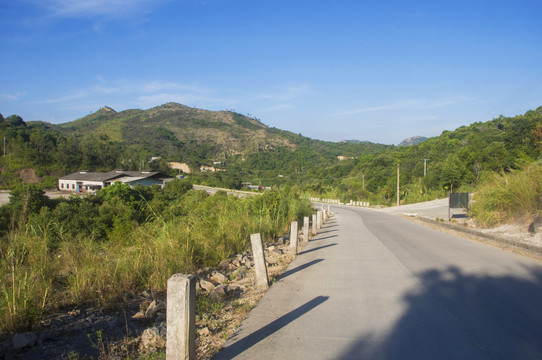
x=181 y=317
x=314 y=224
x=262 y=281
x=306 y=228
x=293 y=236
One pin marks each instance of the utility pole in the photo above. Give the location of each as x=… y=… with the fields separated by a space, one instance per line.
x=398 y=194
x=424 y=166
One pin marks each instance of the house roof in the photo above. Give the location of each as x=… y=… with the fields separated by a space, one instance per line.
x=112 y=175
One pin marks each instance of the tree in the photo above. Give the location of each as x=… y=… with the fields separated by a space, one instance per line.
x=15 y=120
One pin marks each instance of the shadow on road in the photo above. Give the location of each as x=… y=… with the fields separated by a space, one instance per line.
x=247 y=342
x=317 y=248
x=462 y=316
x=323 y=238
x=299 y=268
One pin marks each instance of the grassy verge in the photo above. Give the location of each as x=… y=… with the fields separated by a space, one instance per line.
x=507 y=197
x=44 y=266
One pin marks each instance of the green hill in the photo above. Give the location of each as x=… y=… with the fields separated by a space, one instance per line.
x=254 y=152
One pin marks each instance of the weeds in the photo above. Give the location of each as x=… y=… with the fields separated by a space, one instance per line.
x=43 y=266
x=505 y=197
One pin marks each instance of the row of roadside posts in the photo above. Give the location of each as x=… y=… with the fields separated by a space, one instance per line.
x=181 y=289
x=338 y=202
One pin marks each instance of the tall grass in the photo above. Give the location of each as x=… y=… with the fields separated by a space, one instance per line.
x=37 y=277
x=505 y=197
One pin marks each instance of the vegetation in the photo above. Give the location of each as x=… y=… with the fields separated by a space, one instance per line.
x=510 y=196
x=97 y=248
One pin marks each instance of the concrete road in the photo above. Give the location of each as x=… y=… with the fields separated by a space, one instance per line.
x=376 y=286
x=432 y=209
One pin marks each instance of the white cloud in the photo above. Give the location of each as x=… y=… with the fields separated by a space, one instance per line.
x=286 y=94
x=95 y=8
x=137 y=94
x=13 y=96
x=278 y=107
x=417 y=104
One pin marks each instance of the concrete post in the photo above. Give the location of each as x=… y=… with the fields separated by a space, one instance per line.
x=314 y=224
x=293 y=236
x=318 y=219
x=181 y=317
x=262 y=281
x=329 y=210
x=306 y=228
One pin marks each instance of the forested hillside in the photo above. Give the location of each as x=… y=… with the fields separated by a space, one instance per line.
x=254 y=152
x=129 y=139
x=459 y=158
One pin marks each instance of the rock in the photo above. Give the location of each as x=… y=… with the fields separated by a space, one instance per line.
x=536 y=226
x=24 y=340
x=240 y=273
x=140 y=315
x=271 y=248
x=224 y=264
x=236 y=263
x=206 y=285
x=277 y=251
x=218 y=277
x=234 y=290
x=152 y=339
x=271 y=261
x=161 y=317
x=146 y=294
x=204 y=332
x=154 y=308
x=219 y=293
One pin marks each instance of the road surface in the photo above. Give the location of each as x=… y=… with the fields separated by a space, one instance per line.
x=375 y=286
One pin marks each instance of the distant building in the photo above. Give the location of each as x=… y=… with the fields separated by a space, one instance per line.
x=85 y=181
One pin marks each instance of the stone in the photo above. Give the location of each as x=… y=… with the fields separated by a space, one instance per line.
x=536 y=226
x=23 y=340
x=219 y=293
x=219 y=277
x=277 y=251
x=206 y=285
x=204 y=332
x=140 y=315
x=154 y=308
x=271 y=248
x=240 y=273
x=152 y=339
x=234 y=290
x=224 y=265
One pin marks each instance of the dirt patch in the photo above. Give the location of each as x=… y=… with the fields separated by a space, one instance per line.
x=28 y=176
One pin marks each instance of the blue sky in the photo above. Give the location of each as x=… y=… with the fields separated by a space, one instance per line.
x=370 y=70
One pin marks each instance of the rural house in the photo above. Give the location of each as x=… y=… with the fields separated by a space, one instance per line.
x=86 y=181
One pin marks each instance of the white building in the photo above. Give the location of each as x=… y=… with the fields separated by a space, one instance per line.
x=85 y=181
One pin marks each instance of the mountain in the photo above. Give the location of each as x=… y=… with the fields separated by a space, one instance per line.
x=107 y=139
x=415 y=140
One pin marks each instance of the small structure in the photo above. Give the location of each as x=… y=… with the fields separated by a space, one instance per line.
x=458 y=201
x=86 y=181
